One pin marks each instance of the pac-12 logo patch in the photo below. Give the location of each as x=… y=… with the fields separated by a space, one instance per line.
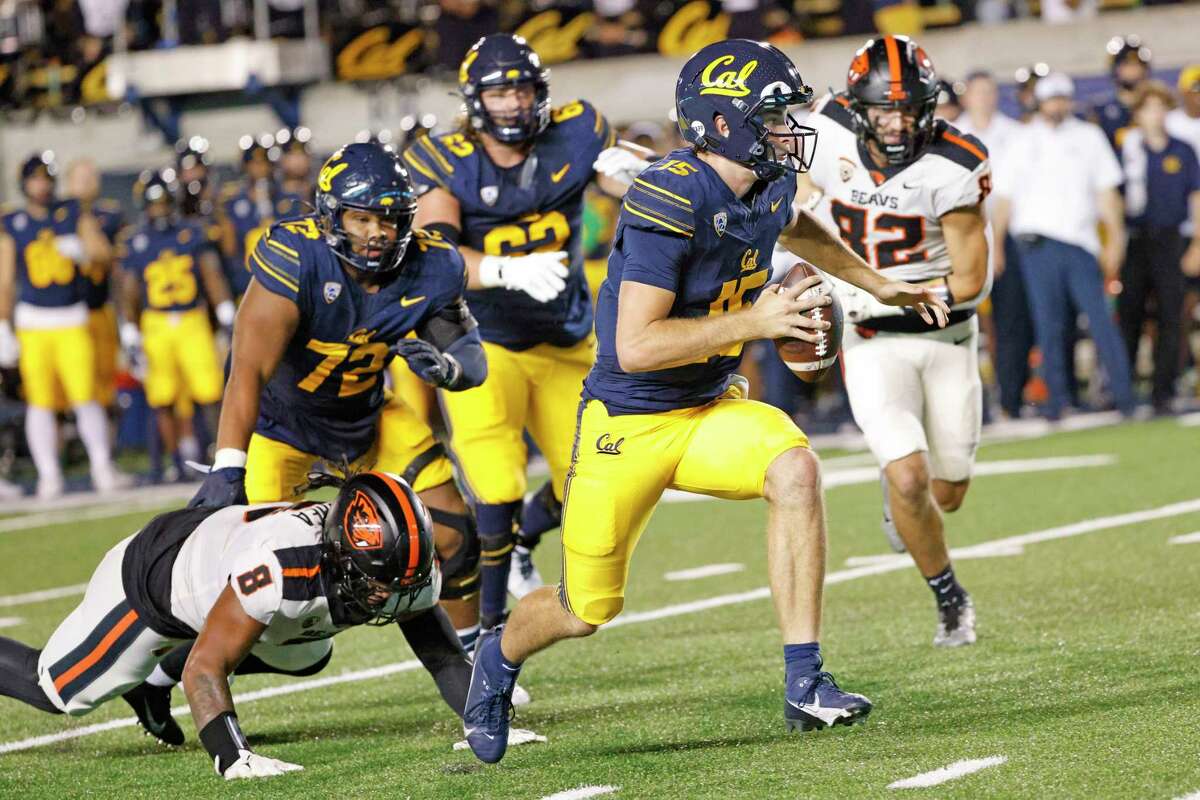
x=361 y=525
x=489 y=194
x=720 y=221
x=333 y=290
x=845 y=169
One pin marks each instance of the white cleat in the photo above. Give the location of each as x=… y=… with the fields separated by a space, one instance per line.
x=956 y=625
x=110 y=480
x=523 y=576
x=520 y=697
x=49 y=488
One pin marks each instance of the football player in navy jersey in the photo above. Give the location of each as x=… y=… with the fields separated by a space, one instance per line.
x=333 y=298
x=168 y=268
x=249 y=208
x=507 y=188
x=684 y=293
x=43 y=247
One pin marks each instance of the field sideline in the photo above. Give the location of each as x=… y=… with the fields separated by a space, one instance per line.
x=1082 y=684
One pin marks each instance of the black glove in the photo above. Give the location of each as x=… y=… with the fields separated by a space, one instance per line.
x=430 y=364
x=221 y=487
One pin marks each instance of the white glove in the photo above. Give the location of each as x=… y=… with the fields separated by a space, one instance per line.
x=542 y=276
x=516 y=736
x=858 y=304
x=70 y=246
x=620 y=165
x=252 y=765
x=131 y=336
x=10 y=347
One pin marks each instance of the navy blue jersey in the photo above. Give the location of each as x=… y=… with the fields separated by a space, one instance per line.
x=45 y=276
x=251 y=219
x=166 y=264
x=111 y=218
x=1172 y=175
x=682 y=229
x=536 y=206
x=325 y=396
x=1114 y=118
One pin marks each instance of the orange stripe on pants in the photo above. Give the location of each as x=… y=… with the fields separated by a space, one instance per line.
x=98 y=652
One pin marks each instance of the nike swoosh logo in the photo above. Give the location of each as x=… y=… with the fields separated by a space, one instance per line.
x=407 y=301
x=155 y=728
x=558 y=176
x=471 y=731
x=963 y=339
x=906 y=186
x=775 y=205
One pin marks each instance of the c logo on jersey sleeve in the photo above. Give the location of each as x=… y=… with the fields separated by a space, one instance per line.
x=361 y=523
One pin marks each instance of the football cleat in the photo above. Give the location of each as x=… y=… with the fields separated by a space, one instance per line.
x=520 y=696
x=489 y=707
x=887 y=523
x=152 y=704
x=816 y=702
x=524 y=577
x=956 y=624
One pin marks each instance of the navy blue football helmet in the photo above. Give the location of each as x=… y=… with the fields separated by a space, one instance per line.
x=154 y=187
x=39 y=161
x=743 y=81
x=498 y=60
x=893 y=72
x=366 y=176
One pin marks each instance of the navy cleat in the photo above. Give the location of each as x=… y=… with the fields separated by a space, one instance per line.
x=152 y=704
x=489 y=706
x=816 y=702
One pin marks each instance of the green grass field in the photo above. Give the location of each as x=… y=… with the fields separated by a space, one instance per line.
x=1085 y=677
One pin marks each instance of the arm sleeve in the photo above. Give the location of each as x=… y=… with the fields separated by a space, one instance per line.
x=432 y=639
x=653 y=257
x=275 y=263
x=965 y=190
x=257 y=579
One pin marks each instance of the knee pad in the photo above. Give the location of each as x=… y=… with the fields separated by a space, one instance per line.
x=595 y=611
x=460 y=572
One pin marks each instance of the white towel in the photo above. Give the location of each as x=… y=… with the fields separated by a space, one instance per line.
x=1134 y=160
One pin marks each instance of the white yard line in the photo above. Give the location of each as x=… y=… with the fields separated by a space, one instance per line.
x=956 y=770
x=8 y=622
x=706 y=571
x=1189 y=796
x=30 y=521
x=1187 y=538
x=581 y=793
x=841 y=576
x=958 y=553
x=40 y=596
x=1190 y=421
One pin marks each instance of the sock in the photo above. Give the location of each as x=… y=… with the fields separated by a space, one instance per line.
x=495 y=523
x=41 y=431
x=467 y=638
x=160 y=679
x=801 y=660
x=945 y=588
x=93 y=430
x=189 y=448
x=171 y=665
x=541 y=513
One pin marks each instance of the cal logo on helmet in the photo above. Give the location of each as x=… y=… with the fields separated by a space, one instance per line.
x=364 y=531
x=730 y=83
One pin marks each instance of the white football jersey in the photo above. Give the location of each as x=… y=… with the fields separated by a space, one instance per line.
x=891 y=216
x=271 y=556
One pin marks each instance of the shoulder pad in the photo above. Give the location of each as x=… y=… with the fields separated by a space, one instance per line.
x=963 y=149
x=836 y=107
x=434 y=161
x=665 y=197
x=581 y=116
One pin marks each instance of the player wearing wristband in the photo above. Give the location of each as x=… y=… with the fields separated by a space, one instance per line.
x=508 y=189
x=261 y=589
x=166 y=267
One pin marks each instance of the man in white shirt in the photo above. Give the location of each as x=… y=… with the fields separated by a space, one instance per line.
x=1184 y=122
x=1012 y=320
x=1058 y=180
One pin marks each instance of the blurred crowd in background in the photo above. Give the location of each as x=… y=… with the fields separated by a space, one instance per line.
x=52 y=52
x=1147 y=323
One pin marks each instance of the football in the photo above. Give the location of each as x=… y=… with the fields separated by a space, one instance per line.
x=807 y=361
